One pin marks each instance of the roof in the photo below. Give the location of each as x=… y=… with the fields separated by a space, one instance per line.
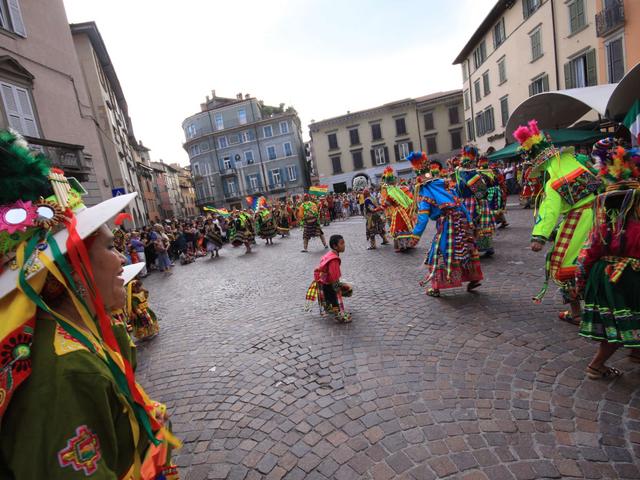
x=493 y=16
x=360 y=113
x=91 y=30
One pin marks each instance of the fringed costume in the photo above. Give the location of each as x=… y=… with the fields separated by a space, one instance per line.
x=328 y=288
x=398 y=208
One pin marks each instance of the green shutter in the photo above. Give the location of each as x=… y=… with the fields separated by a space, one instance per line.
x=568 y=80
x=531 y=89
x=545 y=83
x=592 y=73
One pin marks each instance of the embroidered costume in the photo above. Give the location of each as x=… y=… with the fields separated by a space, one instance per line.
x=398 y=208
x=213 y=237
x=453 y=257
x=143 y=319
x=265 y=224
x=374 y=221
x=328 y=288
x=284 y=219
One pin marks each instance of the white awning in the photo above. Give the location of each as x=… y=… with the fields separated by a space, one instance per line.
x=563 y=108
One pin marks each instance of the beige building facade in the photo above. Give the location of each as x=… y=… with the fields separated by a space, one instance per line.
x=352 y=150
x=43 y=95
x=525 y=47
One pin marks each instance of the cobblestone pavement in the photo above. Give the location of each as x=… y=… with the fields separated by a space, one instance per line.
x=470 y=386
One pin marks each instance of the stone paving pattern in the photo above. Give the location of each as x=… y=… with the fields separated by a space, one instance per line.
x=471 y=386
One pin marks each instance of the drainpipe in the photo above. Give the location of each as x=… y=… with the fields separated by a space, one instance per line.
x=555 y=44
x=471 y=101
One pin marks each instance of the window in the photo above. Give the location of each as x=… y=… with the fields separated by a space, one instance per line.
x=456 y=139
x=288 y=151
x=248 y=157
x=403 y=150
x=529 y=7
x=480 y=54
x=466 y=99
x=489 y=125
x=485 y=83
x=194 y=150
x=219 y=121
x=11 y=17
x=196 y=169
x=335 y=163
x=615 y=60
x=242 y=116
x=476 y=89
x=480 y=124
x=499 y=35
x=333 y=141
x=432 y=144
x=354 y=136
x=271 y=152
x=504 y=110
x=539 y=85
x=376 y=131
x=275 y=177
x=465 y=75
x=581 y=71
x=471 y=134
x=222 y=142
x=577 y=18
x=284 y=127
x=292 y=173
x=454 y=116
x=502 y=70
x=191 y=130
x=401 y=127
x=204 y=147
x=536 y=44
x=226 y=163
x=231 y=187
x=249 y=135
x=20 y=113
x=254 y=183
x=428 y=121
x=267 y=130
x=357 y=160
x=379 y=154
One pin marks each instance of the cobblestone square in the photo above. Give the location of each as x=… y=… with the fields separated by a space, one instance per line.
x=482 y=385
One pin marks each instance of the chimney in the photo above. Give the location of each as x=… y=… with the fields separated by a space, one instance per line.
x=208 y=99
x=247 y=96
x=213 y=94
x=239 y=96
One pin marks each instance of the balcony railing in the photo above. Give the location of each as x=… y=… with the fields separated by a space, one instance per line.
x=277 y=186
x=609 y=19
x=65 y=156
x=205 y=201
x=225 y=172
x=231 y=195
x=253 y=190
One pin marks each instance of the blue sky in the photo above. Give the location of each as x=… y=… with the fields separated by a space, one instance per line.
x=324 y=57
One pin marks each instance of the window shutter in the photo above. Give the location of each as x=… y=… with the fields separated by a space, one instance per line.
x=545 y=83
x=592 y=73
x=28 y=118
x=247 y=182
x=270 y=177
x=410 y=148
x=373 y=157
x=282 y=175
x=396 y=151
x=16 y=18
x=531 y=89
x=11 y=107
x=386 y=155
x=568 y=80
x=295 y=172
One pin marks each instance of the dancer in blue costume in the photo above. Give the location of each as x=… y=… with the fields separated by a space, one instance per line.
x=453 y=257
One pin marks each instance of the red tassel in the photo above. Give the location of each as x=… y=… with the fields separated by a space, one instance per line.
x=121 y=217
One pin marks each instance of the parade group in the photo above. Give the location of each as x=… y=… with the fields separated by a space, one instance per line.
x=71 y=293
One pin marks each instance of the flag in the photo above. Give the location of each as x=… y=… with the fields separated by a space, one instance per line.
x=319 y=190
x=632 y=122
x=223 y=212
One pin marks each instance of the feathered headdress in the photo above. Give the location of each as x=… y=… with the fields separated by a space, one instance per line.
x=483 y=162
x=468 y=156
x=419 y=162
x=619 y=167
x=388 y=176
x=534 y=145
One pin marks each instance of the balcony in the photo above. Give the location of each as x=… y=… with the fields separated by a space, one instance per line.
x=233 y=195
x=254 y=190
x=277 y=187
x=205 y=201
x=65 y=156
x=610 y=19
x=227 y=172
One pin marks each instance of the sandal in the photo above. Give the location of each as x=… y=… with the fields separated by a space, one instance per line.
x=604 y=372
x=473 y=285
x=567 y=317
x=433 y=292
x=371 y=248
x=304 y=251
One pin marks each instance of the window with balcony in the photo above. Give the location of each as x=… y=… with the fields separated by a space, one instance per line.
x=292 y=173
x=581 y=71
x=456 y=139
x=191 y=131
x=249 y=135
x=194 y=150
x=271 y=152
x=276 y=179
x=231 y=187
x=499 y=35
x=454 y=115
x=254 y=182
x=536 y=44
x=432 y=144
x=610 y=18
x=380 y=155
x=354 y=136
x=219 y=121
x=11 y=17
x=267 y=131
x=428 y=121
x=222 y=142
x=248 y=157
x=539 y=85
x=376 y=131
x=502 y=70
x=333 y=141
x=288 y=151
x=529 y=7
x=357 y=160
x=242 y=116
x=476 y=90
x=615 y=60
x=284 y=127
x=19 y=109
x=480 y=54
x=577 y=17
x=401 y=126
x=480 y=124
x=337 y=166
x=504 y=110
